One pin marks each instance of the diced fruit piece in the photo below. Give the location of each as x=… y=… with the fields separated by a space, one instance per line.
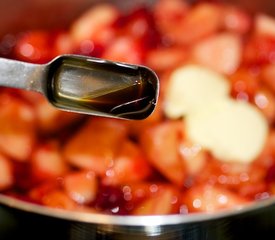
x=244 y=84
x=166 y=201
x=238 y=177
x=201 y=21
x=50 y=119
x=136 y=192
x=6 y=173
x=194 y=157
x=17 y=127
x=255 y=191
x=207 y=198
x=130 y=159
x=191 y=87
x=81 y=186
x=96 y=144
x=59 y=199
x=47 y=162
x=38 y=192
x=265 y=25
x=161 y=143
x=259 y=50
x=161 y=59
x=90 y=48
x=231 y=130
x=35 y=46
x=140 y=25
x=30 y=97
x=220 y=52
x=266 y=158
x=182 y=25
x=130 y=165
x=136 y=128
x=95 y=24
x=124 y=49
x=169 y=13
x=236 y=20
x=268 y=76
x=265 y=101
x=63 y=44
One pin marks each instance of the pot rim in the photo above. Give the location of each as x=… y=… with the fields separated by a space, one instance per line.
x=121 y=220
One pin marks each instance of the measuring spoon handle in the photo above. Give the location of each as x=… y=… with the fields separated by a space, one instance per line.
x=17 y=74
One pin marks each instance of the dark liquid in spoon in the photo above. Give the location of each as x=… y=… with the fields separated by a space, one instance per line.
x=119 y=90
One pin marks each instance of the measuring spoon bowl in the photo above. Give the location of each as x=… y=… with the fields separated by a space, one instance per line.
x=87 y=85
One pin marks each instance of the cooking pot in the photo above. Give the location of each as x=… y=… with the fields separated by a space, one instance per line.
x=27 y=221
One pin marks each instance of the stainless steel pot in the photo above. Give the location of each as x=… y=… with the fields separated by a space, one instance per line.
x=24 y=220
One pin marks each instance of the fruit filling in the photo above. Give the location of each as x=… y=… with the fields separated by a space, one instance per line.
x=208 y=146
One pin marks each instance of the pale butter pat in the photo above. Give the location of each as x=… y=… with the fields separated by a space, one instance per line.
x=191 y=87
x=233 y=131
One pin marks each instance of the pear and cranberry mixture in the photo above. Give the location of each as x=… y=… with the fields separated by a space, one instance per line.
x=209 y=145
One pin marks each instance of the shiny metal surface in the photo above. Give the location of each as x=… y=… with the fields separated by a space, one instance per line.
x=69 y=79
x=32 y=224
x=256 y=221
x=141 y=221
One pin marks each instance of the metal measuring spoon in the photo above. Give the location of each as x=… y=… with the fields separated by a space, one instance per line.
x=87 y=85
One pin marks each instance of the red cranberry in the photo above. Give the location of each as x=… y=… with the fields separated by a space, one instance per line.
x=270 y=175
x=111 y=200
